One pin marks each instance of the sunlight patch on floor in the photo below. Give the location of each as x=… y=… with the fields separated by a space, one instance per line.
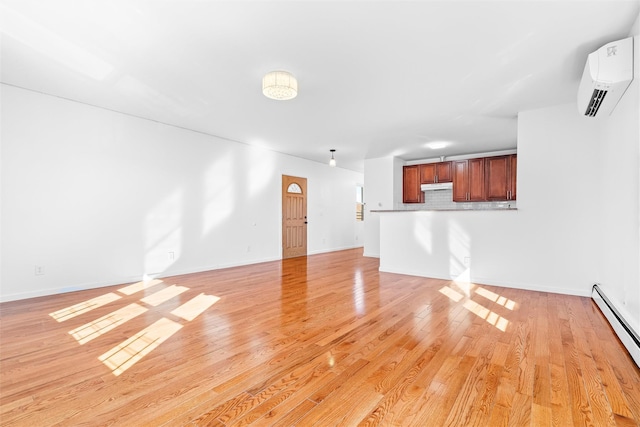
x=83 y=307
x=140 y=286
x=123 y=356
x=164 y=295
x=195 y=306
x=127 y=353
x=478 y=309
x=486 y=314
x=91 y=330
x=492 y=296
x=454 y=295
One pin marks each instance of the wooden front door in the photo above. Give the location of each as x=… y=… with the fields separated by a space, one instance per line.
x=294 y=216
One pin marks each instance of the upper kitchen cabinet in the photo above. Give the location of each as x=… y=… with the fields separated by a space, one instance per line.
x=468 y=180
x=500 y=177
x=431 y=173
x=411 y=192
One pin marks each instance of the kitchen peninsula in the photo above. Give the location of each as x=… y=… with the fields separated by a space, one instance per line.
x=455 y=218
x=458 y=244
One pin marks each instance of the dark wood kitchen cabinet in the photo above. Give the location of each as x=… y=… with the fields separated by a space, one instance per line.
x=431 y=173
x=513 y=174
x=411 y=192
x=500 y=177
x=474 y=180
x=468 y=180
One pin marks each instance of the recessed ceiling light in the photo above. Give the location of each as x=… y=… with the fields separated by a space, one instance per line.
x=437 y=145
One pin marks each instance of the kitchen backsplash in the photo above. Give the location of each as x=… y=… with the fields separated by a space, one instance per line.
x=443 y=199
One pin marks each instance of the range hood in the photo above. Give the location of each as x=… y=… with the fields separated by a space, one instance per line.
x=437 y=186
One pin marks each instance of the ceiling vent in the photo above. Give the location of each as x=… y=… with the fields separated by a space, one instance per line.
x=607 y=75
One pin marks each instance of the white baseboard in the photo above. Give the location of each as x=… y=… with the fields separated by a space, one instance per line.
x=160 y=275
x=127 y=279
x=327 y=250
x=586 y=292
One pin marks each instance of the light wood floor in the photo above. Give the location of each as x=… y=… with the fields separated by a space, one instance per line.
x=324 y=340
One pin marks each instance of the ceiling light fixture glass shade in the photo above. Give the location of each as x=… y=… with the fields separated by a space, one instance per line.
x=332 y=160
x=436 y=145
x=279 y=85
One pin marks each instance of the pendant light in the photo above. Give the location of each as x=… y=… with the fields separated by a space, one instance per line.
x=332 y=160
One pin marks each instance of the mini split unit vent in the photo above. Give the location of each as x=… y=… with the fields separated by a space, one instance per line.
x=607 y=75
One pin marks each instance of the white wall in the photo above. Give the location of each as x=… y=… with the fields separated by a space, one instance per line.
x=98 y=198
x=381 y=184
x=620 y=152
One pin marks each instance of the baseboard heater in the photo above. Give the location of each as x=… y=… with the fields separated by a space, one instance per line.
x=625 y=332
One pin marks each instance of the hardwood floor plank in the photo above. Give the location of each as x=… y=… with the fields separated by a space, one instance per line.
x=599 y=403
x=482 y=406
x=521 y=409
x=500 y=417
x=459 y=413
x=560 y=411
x=402 y=392
x=580 y=408
x=319 y=340
x=322 y=393
x=541 y=415
x=281 y=404
x=293 y=416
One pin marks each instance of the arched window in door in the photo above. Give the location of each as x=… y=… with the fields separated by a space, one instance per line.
x=294 y=188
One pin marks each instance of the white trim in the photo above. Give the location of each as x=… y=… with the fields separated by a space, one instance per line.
x=125 y=280
x=324 y=251
x=490 y=282
x=462 y=157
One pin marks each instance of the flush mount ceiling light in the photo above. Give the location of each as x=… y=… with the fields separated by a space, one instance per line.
x=437 y=145
x=279 y=85
x=332 y=160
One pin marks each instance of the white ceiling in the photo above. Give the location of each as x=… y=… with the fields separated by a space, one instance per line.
x=375 y=78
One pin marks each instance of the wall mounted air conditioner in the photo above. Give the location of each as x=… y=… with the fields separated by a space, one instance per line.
x=607 y=75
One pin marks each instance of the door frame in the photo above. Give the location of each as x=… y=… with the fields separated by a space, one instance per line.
x=287 y=180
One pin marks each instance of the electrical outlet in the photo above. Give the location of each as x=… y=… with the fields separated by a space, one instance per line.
x=248 y=248
x=172 y=255
x=467 y=261
x=39 y=270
